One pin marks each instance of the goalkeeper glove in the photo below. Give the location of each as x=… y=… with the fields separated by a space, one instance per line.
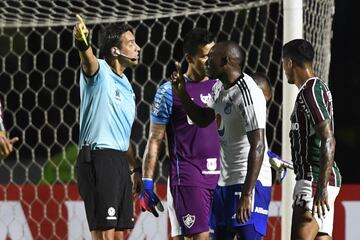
x=148 y=199
x=279 y=164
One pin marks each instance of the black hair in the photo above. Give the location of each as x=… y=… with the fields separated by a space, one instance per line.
x=300 y=51
x=233 y=49
x=197 y=37
x=111 y=37
x=263 y=81
x=261 y=75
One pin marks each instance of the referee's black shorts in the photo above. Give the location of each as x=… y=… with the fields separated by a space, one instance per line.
x=105 y=186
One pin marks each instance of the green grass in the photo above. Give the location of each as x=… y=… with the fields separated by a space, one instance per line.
x=60 y=168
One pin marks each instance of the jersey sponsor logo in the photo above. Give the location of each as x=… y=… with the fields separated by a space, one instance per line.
x=261 y=210
x=156 y=106
x=300 y=104
x=111 y=214
x=216 y=172
x=211 y=164
x=294 y=126
x=205 y=98
x=118 y=94
x=227 y=109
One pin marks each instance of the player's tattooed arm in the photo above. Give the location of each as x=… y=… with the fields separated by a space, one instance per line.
x=156 y=136
x=327 y=151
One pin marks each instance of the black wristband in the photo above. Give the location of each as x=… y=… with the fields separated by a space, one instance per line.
x=81 y=45
x=137 y=169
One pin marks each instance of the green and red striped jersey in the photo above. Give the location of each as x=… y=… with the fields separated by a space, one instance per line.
x=313 y=105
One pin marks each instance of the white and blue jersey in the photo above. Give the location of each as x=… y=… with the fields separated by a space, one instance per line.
x=239 y=110
x=107 y=109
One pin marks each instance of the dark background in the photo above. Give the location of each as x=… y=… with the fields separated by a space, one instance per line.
x=42 y=110
x=345 y=86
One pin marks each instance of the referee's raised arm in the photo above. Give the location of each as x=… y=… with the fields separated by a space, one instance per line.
x=89 y=62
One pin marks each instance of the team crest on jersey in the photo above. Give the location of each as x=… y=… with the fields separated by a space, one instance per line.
x=205 y=98
x=189 y=220
x=227 y=109
x=211 y=164
x=117 y=94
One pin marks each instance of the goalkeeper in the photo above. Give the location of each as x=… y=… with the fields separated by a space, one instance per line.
x=194 y=152
x=107 y=112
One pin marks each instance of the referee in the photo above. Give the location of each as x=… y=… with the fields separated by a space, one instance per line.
x=107 y=110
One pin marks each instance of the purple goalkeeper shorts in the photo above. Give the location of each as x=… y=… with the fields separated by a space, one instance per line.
x=192 y=206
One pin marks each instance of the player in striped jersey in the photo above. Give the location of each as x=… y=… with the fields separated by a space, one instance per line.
x=312 y=139
x=6 y=144
x=242 y=196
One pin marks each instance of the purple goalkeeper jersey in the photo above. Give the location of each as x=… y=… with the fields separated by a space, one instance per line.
x=194 y=152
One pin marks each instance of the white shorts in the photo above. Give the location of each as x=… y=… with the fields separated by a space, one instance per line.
x=175 y=227
x=303 y=197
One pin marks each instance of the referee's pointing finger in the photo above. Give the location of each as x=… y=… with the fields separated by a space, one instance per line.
x=79 y=19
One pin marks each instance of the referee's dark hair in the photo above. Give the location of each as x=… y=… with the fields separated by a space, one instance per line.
x=111 y=37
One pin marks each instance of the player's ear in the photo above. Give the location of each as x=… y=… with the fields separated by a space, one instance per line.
x=226 y=60
x=289 y=63
x=188 y=58
x=114 y=51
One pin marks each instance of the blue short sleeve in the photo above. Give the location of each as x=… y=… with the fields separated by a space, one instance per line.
x=162 y=105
